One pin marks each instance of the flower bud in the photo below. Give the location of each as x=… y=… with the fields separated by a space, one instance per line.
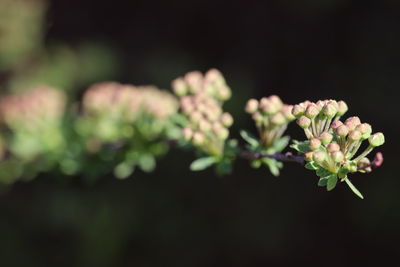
x=342 y=108
x=376 y=139
x=354 y=135
x=308 y=156
x=216 y=127
x=329 y=110
x=352 y=123
x=303 y=122
x=224 y=93
x=325 y=138
x=319 y=157
x=194 y=80
x=278 y=119
x=287 y=112
x=204 y=125
x=337 y=156
x=268 y=106
x=311 y=111
x=298 y=110
x=179 y=86
x=315 y=143
x=198 y=138
x=363 y=163
x=226 y=119
x=336 y=124
x=274 y=99
x=187 y=133
x=222 y=133
x=332 y=147
x=365 y=130
x=257 y=117
x=342 y=130
x=251 y=106
x=195 y=116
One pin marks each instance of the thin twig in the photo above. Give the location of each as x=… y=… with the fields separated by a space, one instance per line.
x=287 y=157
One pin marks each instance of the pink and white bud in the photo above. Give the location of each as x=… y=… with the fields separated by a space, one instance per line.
x=304 y=122
x=222 y=133
x=308 y=156
x=187 y=133
x=352 y=122
x=336 y=124
x=354 y=135
x=332 y=147
x=198 y=138
x=342 y=130
x=311 y=111
x=258 y=117
x=278 y=119
x=226 y=119
x=204 y=126
x=325 y=138
x=251 y=106
x=315 y=143
x=179 y=86
x=298 y=110
x=329 y=110
x=376 y=139
x=224 y=93
x=287 y=112
x=196 y=116
x=337 y=156
x=365 y=130
x=319 y=157
x=342 y=108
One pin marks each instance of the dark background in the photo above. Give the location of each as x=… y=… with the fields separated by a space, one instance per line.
x=297 y=49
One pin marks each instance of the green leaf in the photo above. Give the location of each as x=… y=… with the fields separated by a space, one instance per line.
x=353 y=188
x=321 y=172
x=332 y=181
x=311 y=166
x=249 y=138
x=202 y=163
x=272 y=165
x=302 y=147
x=256 y=164
x=281 y=143
x=323 y=181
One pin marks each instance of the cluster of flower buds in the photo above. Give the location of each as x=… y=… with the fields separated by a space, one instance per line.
x=201 y=99
x=127 y=101
x=33 y=109
x=316 y=118
x=271 y=117
x=334 y=146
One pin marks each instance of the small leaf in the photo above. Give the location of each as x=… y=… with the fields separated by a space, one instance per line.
x=321 y=172
x=302 y=147
x=249 y=138
x=311 y=166
x=256 y=164
x=353 y=188
x=281 y=143
x=202 y=163
x=332 y=181
x=272 y=166
x=323 y=181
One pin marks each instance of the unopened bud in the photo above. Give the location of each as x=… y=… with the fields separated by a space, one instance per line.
x=251 y=106
x=187 y=133
x=311 y=111
x=329 y=110
x=342 y=108
x=278 y=119
x=332 y=147
x=336 y=124
x=298 y=110
x=352 y=122
x=268 y=106
x=364 y=163
x=222 y=133
x=226 y=119
x=224 y=93
x=354 y=135
x=198 y=138
x=195 y=116
x=342 y=130
x=204 y=125
x=365 y=130
x=179 y=86
x=319 y=157
x=257 y=117
x=276 y=101
x=287 y=112
x=337 y=156
x=303 y=122
x=376 y=139
x=308 y=156
x=315 y=143
x=194 y=80
x=325 y=138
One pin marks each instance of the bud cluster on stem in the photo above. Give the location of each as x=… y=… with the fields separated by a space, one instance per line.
x=201 y=99
x=271 y=117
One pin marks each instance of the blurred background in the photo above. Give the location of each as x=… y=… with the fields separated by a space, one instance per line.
x=172 y=217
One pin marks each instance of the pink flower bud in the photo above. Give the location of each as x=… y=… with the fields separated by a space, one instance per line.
x=336 y=124
x=352 y=122
x=222 y=133
x=298 y=110
x=376 y=139
x=342 y=108
x=342 y=130
x=354 y=135
x=337 y=156
x=287 y=112
x=179 y=86
x=226 y=119
x=319 y=157
x=204 y=125
x=276 y=101
x=303 y=122
x=198 y=138
x=315 y=143
x=224 y=93
x=332 y=147
x=196 y=116
x=308 y=156
x=365 y=130
x=187 y=133
x=251 y=106
x=329 y=110
x=325 y=138
x=311 y=111
x=257 y=117
x=268 y=106
x=278 y=119
x=194 y=81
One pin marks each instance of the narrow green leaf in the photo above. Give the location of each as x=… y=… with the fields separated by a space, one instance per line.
x=332 y=181
x=321 y=172
x=353 y=188
x=311 y=166
x=249 y=138
x=272 y=166
x=281 y=143
x=202 y=163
